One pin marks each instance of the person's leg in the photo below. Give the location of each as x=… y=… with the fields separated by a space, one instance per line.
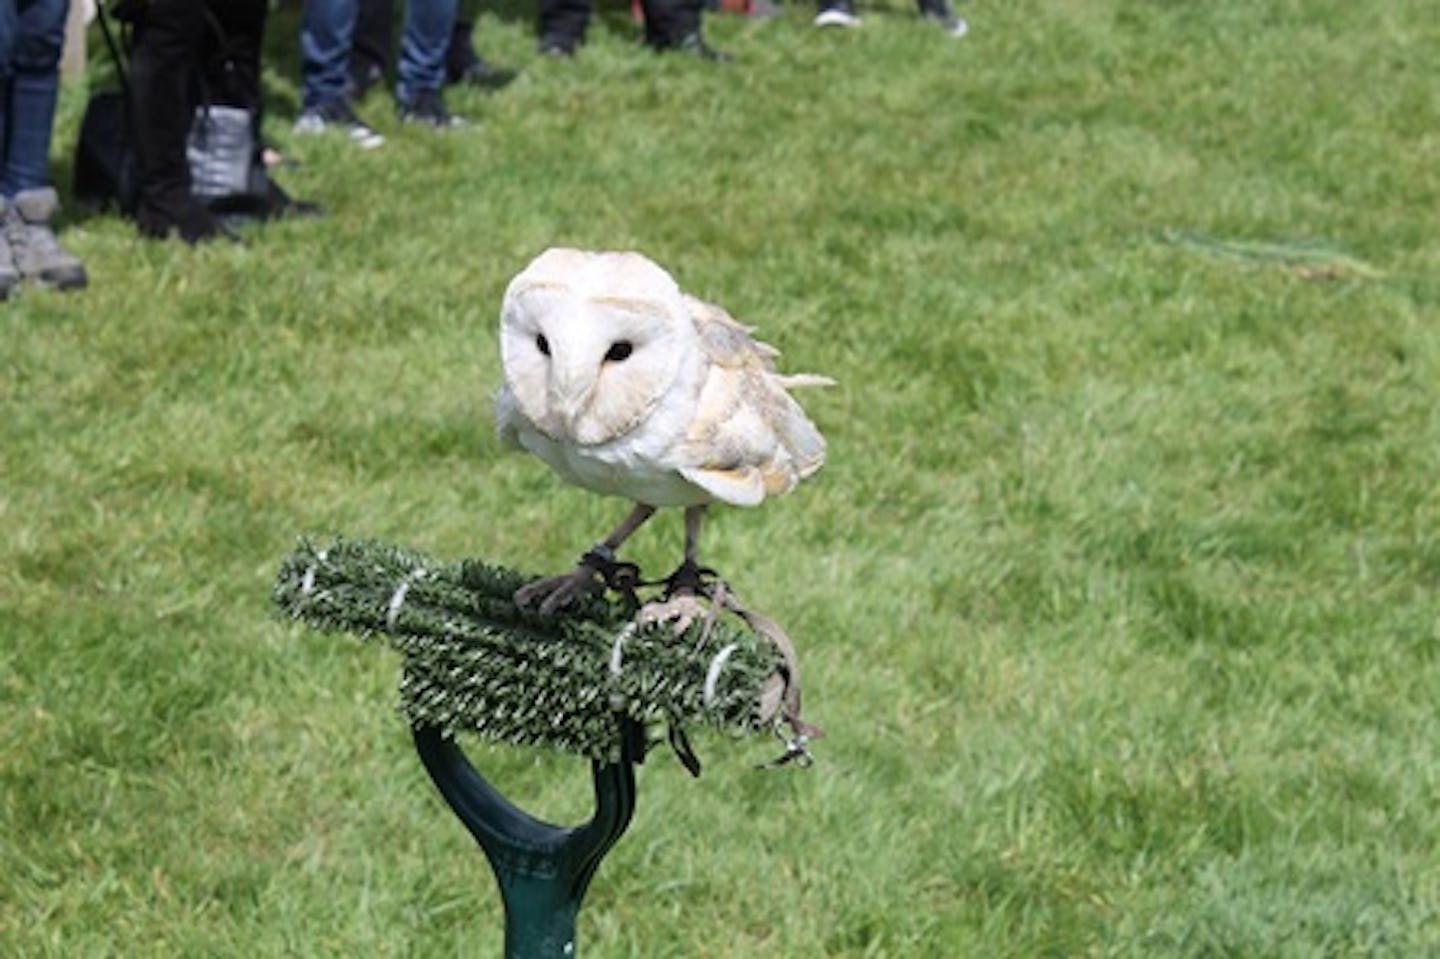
x=943 y=13
x=169 y=36
x=38 y=37
x=372 y=44
x=162 y=64
x=9 y=18
x=463 y=64
x=675 y=25
x=9 y=24
x=326 y=35
x=231 y=59
x=326 y=32
x=561 y=25
x=31 y=202
x=428 y=24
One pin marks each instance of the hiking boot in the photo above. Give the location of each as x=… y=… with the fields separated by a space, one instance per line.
x=428 y=109
x=338 y=115
x=9 y=273
x=837 y=13
x=37 y=255
x=943 y=13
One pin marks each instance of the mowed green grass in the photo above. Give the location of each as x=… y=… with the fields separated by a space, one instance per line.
x=1116 y=598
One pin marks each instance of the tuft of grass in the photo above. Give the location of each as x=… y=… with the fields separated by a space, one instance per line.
x=1116 y=597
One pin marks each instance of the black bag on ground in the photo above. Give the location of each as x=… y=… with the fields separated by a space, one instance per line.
x=106 y=174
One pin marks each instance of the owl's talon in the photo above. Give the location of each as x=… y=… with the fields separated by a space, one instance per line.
x=689 y=579
x=597 y=571
x=682 y=610
x=554 y=593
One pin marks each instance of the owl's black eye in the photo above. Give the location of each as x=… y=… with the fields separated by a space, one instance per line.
x=542 y=344
x=619 y=350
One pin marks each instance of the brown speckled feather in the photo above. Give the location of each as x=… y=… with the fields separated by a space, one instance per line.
x=748 y=439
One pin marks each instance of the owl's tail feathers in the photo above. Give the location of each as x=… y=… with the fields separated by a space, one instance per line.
x=803 y=443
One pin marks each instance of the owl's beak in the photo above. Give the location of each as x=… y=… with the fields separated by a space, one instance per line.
x=571 y=390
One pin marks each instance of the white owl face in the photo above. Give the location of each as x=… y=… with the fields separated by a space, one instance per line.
x=591 y=342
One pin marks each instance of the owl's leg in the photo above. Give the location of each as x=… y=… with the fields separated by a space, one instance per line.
x=589 y=578
x=684 y=588
x=690 y=576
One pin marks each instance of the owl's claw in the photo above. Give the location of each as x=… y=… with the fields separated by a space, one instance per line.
x=683 y=610
x=553 y=593
x=597 y=571
x=690 y=578
x=692 y=593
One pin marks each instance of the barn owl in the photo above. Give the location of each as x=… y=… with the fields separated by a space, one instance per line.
x=627 y=386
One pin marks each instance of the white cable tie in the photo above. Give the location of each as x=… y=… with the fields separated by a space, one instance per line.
x=712 y=675
x=615 y=650
x=307 y=582
x=397 y=599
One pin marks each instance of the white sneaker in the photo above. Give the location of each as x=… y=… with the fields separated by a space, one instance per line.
x=840 y=13
x=943 y=13
x=338 y=115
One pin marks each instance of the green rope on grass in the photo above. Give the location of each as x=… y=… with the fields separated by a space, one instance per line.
x=475 y=662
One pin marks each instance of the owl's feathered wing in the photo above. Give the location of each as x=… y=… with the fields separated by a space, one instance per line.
x=748 y=438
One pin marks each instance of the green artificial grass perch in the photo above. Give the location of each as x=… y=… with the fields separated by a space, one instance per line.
x=476 y=662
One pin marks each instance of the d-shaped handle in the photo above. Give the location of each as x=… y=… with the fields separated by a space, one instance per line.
x=543 y=870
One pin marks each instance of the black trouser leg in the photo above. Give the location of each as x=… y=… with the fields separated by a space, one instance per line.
x=162 y=71
x=460 y=55
x=563 y=22
x=231 y=62
x=668 y=22
x=372 y=43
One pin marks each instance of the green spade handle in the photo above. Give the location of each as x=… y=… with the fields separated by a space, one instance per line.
x=543 y=870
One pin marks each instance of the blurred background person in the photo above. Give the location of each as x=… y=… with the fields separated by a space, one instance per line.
x=327 y=38
x=373 y=42
x=185 y=53
x=669 y=25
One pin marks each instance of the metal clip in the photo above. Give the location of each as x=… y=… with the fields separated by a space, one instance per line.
x=796 y=751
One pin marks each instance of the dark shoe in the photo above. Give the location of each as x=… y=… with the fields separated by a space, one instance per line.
x=276 y=204
x=559 y=48
x=428 y=109
x=280 y=205
x=694 y=46
x=9 y=272
x=943 y=13
x=464 y=65
x=484 y=75
x=179 y=215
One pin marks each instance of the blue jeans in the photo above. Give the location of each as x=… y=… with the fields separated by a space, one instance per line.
x=327 y=32
x=32 y=34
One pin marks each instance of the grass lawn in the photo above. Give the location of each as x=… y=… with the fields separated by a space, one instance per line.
x=1117 y=597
